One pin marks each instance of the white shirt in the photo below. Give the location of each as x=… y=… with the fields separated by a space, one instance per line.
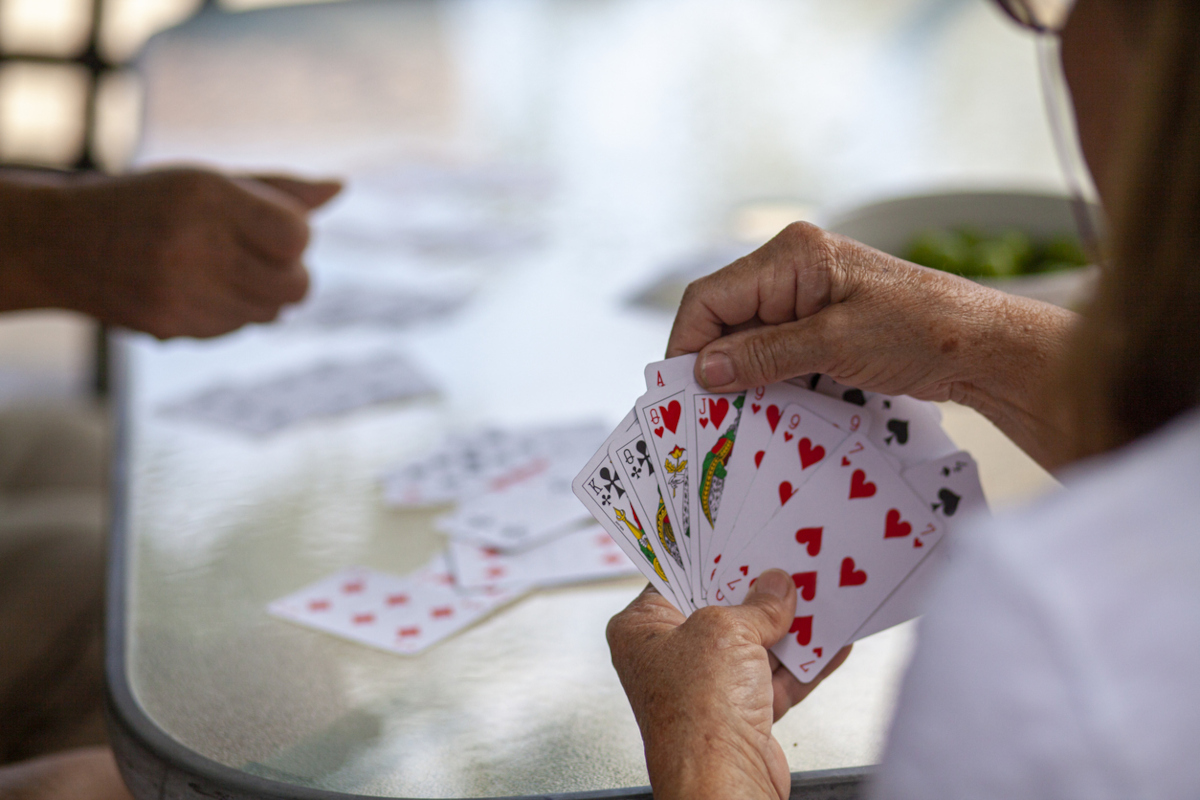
x=1060 y=657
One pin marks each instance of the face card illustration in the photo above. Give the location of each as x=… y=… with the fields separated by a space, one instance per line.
x=635 y=463
x=762 y=410
x=713 y=423
x=598 y=487
x=950 y=488
x=662 y=419
x=585 y=555
x=855 y=532
x=400 y=614
x=796 y=453
x=908 y=430
x=672 y=371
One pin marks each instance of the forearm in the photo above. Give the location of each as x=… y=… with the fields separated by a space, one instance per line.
x=699 y=764
x=1018 y=346
x=29 y=230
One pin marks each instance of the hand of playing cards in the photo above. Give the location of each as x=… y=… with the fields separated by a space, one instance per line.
x=850 y=492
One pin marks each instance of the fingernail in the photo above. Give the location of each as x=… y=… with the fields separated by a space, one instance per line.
x=716 y=369
x=773 y=582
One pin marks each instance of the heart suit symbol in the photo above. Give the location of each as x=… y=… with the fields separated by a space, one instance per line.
x=785 y=492
x=773 y=415
x=806 y=584
x=851 y=576
x=787 y=437
x=802 y=627
x=812 y=538
x=809 y=455
x=718 y=410
x=755 y=407
x=670 y=414
x=860 y=487
x=758 y=457
x=895 y=527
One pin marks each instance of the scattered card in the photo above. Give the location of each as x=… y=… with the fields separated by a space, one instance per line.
x=585 y=555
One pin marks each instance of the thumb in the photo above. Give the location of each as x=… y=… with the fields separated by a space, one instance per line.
x=310 y=194
x=769 y=606
x=765 y=354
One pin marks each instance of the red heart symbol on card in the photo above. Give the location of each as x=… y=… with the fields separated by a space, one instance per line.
x=845 y=461
x=812 y=538
x=817 y=651
x=802 y=627
x=318 y=605
x=785 y=492
x=413 y=631
x=704 y=422
x=787 y=437
x=718 y=410
x=860 y=487
x=717 y=560
x=658 y=432
x=806 y=584
x=894 y=527
x=496 y=572
x=918 y=543
x=614 y=558
x=755 y=407
x=397 y=599
x=758 y=457
x=773 y=415
x=851 y=576
x=670 y=414
x=363 y=619
x=809 y=455
x=744 y=570
x=354 y=587
x=442 y=611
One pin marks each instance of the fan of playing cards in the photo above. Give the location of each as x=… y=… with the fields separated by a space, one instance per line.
x=849 y=491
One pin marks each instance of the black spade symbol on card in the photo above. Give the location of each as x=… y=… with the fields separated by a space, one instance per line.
x=854 y=396
x=899 y=430
x=949 y=502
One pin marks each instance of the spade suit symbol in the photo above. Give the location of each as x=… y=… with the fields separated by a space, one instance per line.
x=949 y=502
x=854 y=396
x=899 y=430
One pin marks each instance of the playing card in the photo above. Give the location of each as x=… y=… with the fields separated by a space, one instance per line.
x=660 y=413
x=400 y=614
x=598 y=486
x=851 y=536
x=908 y=430
x=324 y=389
x=585 y=555
x=635 y=464
x=521 y=514
x=672 y=371
x=848 y=394
x=712 y=421
x=950 y=487
x=470 y=464
x=799 y=448
x=762 y=411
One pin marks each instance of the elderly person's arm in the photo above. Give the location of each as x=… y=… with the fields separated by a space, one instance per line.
x=812 y=301
x=178 y=252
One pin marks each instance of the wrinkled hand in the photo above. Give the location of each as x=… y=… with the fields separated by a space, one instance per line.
x=813 y=301
x=88 y=773
x=705 y=691
x=177 y=252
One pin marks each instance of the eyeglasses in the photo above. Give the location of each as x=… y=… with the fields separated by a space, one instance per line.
x=1043 y=16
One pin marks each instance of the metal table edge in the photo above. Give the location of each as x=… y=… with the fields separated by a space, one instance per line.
x=156 y=766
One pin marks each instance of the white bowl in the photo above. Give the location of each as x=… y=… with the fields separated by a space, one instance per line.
x=891 y=225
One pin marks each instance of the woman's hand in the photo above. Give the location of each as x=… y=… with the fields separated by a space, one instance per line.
x=175 y=252
x=705 y=690
x=813 y=301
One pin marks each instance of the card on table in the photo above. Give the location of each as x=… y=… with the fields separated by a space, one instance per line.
x=401 y=614
x=585 y=555
x=634 y=462
x=598 y=486
x=853 y=534
x=324 y=389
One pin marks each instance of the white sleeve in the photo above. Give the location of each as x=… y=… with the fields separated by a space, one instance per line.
x=987 y=709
